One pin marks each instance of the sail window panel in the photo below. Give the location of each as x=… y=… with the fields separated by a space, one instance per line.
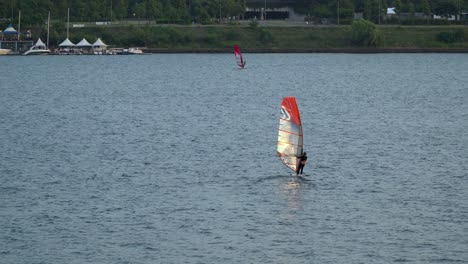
x=289 y=138
x=290 y=161
x=290 y=127
x=285 y=149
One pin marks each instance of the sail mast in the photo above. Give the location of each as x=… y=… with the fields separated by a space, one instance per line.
x=48 y=28
x=68 y=21
x=19 y=25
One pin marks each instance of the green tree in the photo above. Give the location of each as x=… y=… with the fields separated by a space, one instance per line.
x=426 y=8
x=451 y=37
x=371 y=10
x=445 y=7
x=346 y=8
x=205 y=10
x=183 y=14
x=154 y=9
x=170 y=12
x=411 y=9
x=321 y=10
x=459 y=4
x=383 y=7
x=199 y=12
x=365 y=33
x=265 y=36
x=359 y=5
x=78 y=11
x=120 y=9
x=233 y=8
x=367 y=10
x=398 y=6
x=140 y=10
x=96 y=10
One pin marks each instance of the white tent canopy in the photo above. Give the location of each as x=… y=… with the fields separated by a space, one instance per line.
x=83 y=43
x=39 y=44
x=66 y=43
x=99 y=43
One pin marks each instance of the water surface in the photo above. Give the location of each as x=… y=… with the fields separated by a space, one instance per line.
x=171 y=158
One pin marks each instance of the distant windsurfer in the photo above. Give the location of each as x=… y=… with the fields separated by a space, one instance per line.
x=241 y=63
x=239 y=59
x=302 y=163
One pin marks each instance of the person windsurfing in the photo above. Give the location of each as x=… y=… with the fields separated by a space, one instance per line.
x=244 y=62
x=302 y=163
x=239 y=59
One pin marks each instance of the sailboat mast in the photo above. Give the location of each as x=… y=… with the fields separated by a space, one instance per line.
x=111 y=13
x=68 y=21
x=48 y=28
x=19 y=25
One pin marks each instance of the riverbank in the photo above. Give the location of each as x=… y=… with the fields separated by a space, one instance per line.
x=270 y=39
x=325 y=50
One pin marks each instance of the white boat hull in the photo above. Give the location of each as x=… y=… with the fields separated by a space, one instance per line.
x=4 y=51
x=37 y=52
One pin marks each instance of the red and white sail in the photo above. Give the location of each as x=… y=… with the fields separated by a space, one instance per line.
x=290 y=137
x=239 y=59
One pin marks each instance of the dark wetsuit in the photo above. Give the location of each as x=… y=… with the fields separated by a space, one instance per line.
x=302 y=162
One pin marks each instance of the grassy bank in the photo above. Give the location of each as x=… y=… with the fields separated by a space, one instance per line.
x=269 y=39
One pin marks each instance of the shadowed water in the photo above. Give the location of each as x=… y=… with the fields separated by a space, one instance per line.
x=172 y=159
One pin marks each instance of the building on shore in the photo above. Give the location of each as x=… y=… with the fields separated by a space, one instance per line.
x=271 y=10
x=15 y=41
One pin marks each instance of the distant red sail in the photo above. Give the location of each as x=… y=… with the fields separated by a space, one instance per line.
x=238 y=54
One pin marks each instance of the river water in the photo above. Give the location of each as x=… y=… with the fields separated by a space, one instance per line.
x=171 y=158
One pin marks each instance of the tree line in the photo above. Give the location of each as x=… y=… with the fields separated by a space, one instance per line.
x=34 y=12
x=374 y=10
x=172 y=11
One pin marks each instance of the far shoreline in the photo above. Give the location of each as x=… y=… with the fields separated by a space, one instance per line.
x=275 y=39
x=311 y=50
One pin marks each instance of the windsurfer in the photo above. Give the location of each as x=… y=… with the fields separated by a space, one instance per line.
x=302 y=163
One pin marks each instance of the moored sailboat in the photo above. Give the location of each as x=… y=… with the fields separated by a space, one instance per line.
x=38 y=49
